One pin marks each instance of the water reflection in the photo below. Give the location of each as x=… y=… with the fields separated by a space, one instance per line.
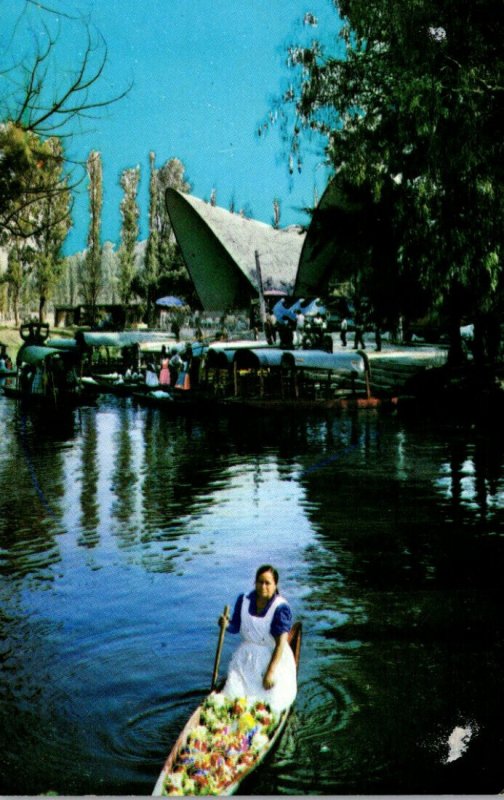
x=472 y=476
x=31 y=485
x=416 y=593
x=123 y=537
x=89 y=481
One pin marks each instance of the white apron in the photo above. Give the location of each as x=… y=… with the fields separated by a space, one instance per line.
x=250 y=662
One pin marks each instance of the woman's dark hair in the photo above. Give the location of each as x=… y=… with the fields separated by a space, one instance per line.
x=268 y=568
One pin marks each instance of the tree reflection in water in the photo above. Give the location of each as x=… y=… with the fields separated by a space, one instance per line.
x=122 y=539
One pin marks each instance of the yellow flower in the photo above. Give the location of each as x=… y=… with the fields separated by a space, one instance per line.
x=246 y=722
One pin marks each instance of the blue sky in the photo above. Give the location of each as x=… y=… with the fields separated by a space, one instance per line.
x=204 y=74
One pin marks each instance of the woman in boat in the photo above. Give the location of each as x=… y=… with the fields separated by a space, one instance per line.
x=151 y=378
x=164 y=374
x=263 y=666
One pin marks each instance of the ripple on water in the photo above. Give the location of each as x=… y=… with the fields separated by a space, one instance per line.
x=148 y=733
x=94 y=666
x=305 y=755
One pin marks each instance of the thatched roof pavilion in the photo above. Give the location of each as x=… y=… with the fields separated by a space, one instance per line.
x=219 y=250
x=319 y=255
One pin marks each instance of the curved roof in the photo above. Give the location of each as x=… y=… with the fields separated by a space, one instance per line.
x=317 y=261
x=36 y=353
x=318 y=359
x=219 y=249
x=253 y=359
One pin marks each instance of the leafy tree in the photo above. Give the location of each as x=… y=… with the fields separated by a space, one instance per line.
x=31 y=172
x=151 y=268
x=164 y=268
x=66 y=290
x=37 y=101
x=15 y=277
x=18 y=149
x=52 y=222
x=42 y=222
x=407 y=103
x=170 y=175
x=129 y=231
x=91 y=275
x=110 y=272
x=174 y=277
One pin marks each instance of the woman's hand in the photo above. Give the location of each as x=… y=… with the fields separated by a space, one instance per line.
x=269 y=679
x=269 y=675
x=224 y=620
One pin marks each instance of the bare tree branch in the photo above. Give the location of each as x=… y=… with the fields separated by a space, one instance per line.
x=35 y=113
x=57 y=11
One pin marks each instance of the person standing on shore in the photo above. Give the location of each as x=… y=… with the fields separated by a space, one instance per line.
x=378 y=338
x=300 y=323
x=359 y=328
x=343 y=331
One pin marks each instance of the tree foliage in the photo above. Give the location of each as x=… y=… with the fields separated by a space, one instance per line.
x=41 y=226
x=41 y=103
x=91 y=277
x=151 y=265
x=51 y=222
x=164 y=268
x=129 y=231
x=408 y=102
x=15 y=276
x=31 y=174
x=39 y=100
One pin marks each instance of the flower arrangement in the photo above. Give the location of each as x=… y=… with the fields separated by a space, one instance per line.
x=228 y=740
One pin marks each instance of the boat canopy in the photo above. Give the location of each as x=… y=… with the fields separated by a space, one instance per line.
x=255 y=358
x=349 y=363
x=63 y=344
x=155 y=347
x=240 y=344
x=124 y=338
x=148 y=341
x=36 y=353
x=219 y=359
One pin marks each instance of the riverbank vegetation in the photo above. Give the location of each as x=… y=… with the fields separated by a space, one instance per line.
x=405 y=100
x=37 y=182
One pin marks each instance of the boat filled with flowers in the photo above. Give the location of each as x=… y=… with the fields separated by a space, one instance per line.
x=222 y=742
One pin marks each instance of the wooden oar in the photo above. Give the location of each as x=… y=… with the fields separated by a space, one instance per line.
x=223 y=627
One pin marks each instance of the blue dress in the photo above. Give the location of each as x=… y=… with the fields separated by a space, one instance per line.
x=251 y=660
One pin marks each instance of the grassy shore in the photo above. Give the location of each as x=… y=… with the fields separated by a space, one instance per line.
x=9 y=336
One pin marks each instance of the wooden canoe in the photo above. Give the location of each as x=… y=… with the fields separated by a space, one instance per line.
x=295 y=637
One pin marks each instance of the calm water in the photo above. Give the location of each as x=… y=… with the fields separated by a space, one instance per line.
x=124 y=532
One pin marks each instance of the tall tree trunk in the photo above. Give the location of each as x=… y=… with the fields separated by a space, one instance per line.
x=42 y=302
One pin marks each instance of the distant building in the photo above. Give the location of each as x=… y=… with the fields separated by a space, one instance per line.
x=110 y=316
